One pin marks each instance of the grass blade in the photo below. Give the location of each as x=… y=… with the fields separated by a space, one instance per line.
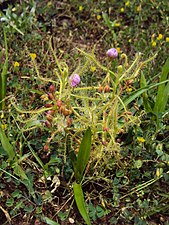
x=6 y=145
x=83 y=154
x=80 y=202
x=3 y=77
x=146 y=102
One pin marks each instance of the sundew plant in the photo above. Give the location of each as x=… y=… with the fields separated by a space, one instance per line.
x=70 y=106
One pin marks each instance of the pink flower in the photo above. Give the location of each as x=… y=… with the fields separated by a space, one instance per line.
x=74 y=80
x=112 y=53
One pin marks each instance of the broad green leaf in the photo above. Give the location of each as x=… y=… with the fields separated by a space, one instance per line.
x=80 y=202
x=6 y=145
x=83 y=154
x=163 y=90
x=140 y=91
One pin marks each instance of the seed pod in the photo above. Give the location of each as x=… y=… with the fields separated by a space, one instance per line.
x=51 y=112
x=49 y=117
x=66 y=112
x=101 y=88
x=69 y=121
x=129 y=82
x=48 y=105
x=62 y=108
x=106 y=88
x=47 y=124
x=46 y=147
x=59 y=103
x=50 y=96
x=106 y=129
x=104 y=143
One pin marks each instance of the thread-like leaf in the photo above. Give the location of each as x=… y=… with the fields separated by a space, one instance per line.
x=5 y=144
x=83 y=154
x=80 y=202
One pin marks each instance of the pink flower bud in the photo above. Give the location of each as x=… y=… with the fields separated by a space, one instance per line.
x=52 y=88
x=112 y=53
x=74 y=80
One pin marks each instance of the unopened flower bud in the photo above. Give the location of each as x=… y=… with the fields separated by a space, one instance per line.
x=74 y=80
x=118 y=140
x=112 y=53
x=52 y=88
x=104 y=143
x=120 y=69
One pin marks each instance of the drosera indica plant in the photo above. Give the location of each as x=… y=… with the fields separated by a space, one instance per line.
x=70 y=106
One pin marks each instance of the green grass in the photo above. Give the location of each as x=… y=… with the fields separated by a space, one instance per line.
x=122 y=161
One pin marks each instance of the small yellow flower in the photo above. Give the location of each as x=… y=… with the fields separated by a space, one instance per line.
x=118 y=49
x=92 y=68
x=99 y=17
x=138 y=9
x=117 y=24
x=127 y=3
x=32 y=55
x=129 y=40
x=141 y=139
x=80 y=8
x=154 y=43
x=16 y=64
x=49 y=3
x=129 y=89
x=167 y=39
x=160 y=36
x=4 y=126
x=122 y=10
